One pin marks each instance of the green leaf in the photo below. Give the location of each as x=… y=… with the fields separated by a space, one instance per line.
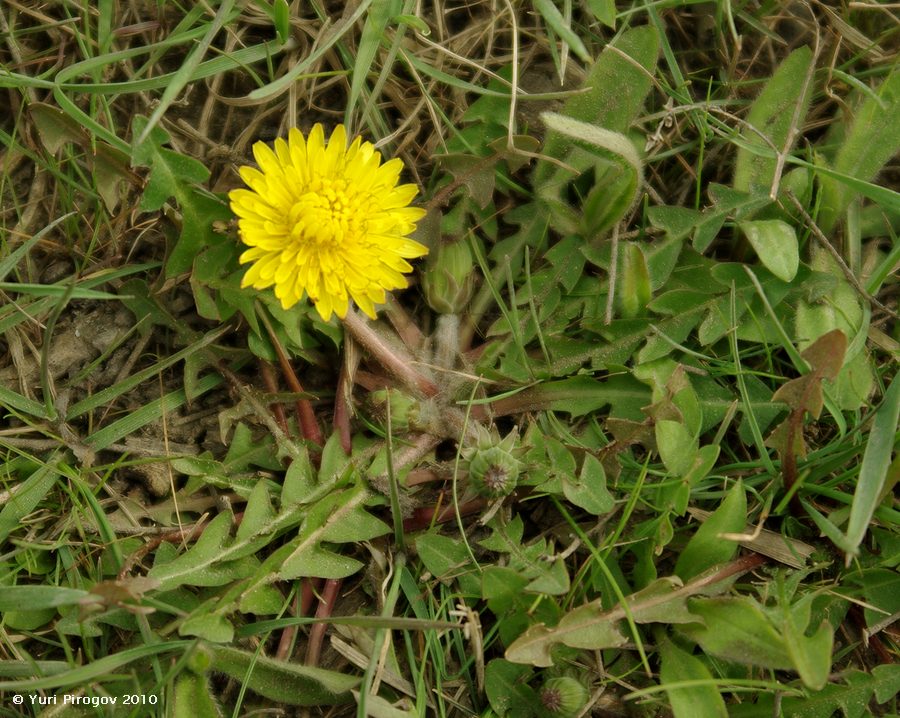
x=26 y=496
x=208 y=626
x=872 y=140
x=589 y=492
x=853 y=699
x=198 y=213
x=778 y=114
x=855 y=383
x=377 y=19
x=552 y=580
x=530 y=560
x=737 y=629
x=696 y=701
x=338 y=518
x=444 y=557
x=590 y=627
x=677 y=446
x=216 y=559
x=35 y=598
x=299 y=481
x=678 y=301
x=634 y=282
x=32 y=620
x=170 y=171
x=284 y=682
x=173 y=175
x=257 y=513
x=602 y=157
x=507 y=690
x=881 y=589
x=580 y=628
x=811 y=655
x=281 y=19
x=586 y=145
x=775 y=243
x=334 y=459
x=738 y=203
x=261 y=600
x=703 y=464
x=561 y=27
x=579 y=396
x=206 y=562
x=874 y=471
x=193 y=698
x=676 y=222
x=341 y=517
x=615 y=90
x=706 y=548
x=604 y=11
x=314 y=560
x=502 y=588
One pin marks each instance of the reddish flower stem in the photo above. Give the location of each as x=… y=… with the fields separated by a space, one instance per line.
x=423 y=476
x=268 y=377
x=342 y=411
x=308 y=590
x=387 y=356
x=406 y=328
x=303 y=601
x=286 y=640
x=305 y=414
x=317 y=633
x=424 y=517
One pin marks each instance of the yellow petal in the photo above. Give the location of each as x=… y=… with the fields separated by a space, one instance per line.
x=326 y=220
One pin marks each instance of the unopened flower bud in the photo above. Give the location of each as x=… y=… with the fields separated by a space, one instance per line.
x=563 y=697
x=449 y=278
x=493 y=463
x=493 y=472
x=403 y=408
x=200 y=660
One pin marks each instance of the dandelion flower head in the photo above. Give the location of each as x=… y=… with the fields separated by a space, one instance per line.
x=326 y=220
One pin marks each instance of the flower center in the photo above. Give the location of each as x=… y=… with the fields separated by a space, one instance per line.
x=324 y=215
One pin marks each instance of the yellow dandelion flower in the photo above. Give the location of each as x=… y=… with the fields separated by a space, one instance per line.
x=327 y=221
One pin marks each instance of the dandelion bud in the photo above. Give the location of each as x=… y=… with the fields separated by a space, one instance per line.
x=493 y=464
x=200 y=660
x=449 y=278
x=494 y=472
x=404 y=409
x=563 y=697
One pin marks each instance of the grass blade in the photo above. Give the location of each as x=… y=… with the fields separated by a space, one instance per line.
x=97 y=669
x=10 y=261
x=554 y=18
x=275 y=88
x=185 y=74
x=874 y=470
x=377 y=20
x=870 y=142
x=27 y=496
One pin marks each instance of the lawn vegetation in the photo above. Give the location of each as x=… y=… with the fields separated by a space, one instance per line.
x=626 y=446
